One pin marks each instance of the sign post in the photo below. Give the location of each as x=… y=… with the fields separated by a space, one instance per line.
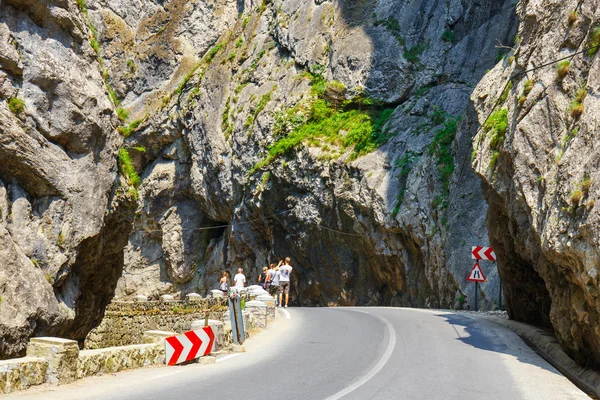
x=476 y=276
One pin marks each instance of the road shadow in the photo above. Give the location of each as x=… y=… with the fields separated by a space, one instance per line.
x=488 y=340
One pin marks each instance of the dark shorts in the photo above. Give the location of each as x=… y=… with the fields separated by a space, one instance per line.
x=284 y=287
x=274 y=289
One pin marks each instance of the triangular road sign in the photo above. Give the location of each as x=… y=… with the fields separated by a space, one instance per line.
x=476 y=274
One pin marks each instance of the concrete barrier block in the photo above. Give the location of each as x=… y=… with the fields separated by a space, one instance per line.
x=238 y=348
x=61 y=354
x=141 y=298
x=22 y=373
x=156 y=336
x=207 y=360
x=193 y=297
x=167 y=297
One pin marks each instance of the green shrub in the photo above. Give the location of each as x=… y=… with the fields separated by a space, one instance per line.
x=126 y=130
x=82 y=6
x=527 y=87
x=210 y=55
x=573 y=16
x=505 y=93
x=440 y=147
x=494 y=160
x=562 y=68
x=127 y=169
x=594 y=42
x=576 y=196
x=112 y=95
x=413 y=54
x=585 y=185
x=16 y=105
x=141 y=149
x=131 y=66
x=576 y=105
x=393 y=27
x=496 y=126
x=448 y=36
x=123 y=114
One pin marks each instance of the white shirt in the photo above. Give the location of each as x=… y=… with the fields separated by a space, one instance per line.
x=239 y=280
x=285 y=273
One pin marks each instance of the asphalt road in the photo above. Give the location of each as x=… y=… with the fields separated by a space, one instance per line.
x=349 y=353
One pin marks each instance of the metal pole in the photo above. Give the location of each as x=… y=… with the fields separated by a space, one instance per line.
x=500 y=297
x=476 y=290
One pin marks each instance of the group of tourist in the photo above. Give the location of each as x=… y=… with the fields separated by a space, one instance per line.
x=275 y=279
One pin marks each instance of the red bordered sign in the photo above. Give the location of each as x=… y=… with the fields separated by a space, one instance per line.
x=476 y=274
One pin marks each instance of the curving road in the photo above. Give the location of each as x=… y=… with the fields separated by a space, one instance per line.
x=350 y=353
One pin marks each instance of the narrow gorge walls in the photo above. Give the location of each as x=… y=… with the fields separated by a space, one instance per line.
x=536 y=154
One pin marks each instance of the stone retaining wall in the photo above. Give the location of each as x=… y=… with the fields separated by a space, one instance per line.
x=59 y=361
x=125 y=322
x=115 y=359
x=21 y=373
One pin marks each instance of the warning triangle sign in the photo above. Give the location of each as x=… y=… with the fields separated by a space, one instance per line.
x=476 y=274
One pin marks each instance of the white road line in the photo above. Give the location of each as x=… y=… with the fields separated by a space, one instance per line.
x=380 y=364
x=286 y=313
x=225 y=358
x=164 y=375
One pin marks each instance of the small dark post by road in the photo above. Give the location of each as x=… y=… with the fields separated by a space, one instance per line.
x=476 y=290
x=500 y=296
x=206 y=317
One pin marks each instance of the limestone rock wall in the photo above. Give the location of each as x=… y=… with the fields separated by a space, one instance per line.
x=540 y=175
x=197 y=97
x=60 y=210
x=389 y=227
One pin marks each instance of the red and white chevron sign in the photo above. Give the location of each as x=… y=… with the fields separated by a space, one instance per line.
x=189 y=345
x=483 y=253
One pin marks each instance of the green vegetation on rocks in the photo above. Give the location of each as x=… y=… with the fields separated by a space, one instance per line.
x=440 y=147
x=496 y=126
x=128 y=171
x=16 y=105
x=392 y=26
x=358 y=123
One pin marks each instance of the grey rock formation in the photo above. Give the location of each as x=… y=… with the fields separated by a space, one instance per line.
x=540 y=176
x=380 y=229
x=57 y=177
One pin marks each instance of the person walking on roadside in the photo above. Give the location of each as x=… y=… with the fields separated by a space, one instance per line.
x=274 y=272
x=224 y=282
x=284 y=281
x=266 y=279
x=262 y=277
x=239 y=279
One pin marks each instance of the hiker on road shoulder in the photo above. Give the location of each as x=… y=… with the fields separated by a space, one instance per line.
x=263 y=278
x=274 y=272
x=284 y=281
x=224 y=282
x=239 y=279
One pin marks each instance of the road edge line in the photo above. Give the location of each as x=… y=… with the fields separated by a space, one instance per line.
x=378 y=367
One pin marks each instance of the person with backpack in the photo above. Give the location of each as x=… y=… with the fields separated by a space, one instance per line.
x=284 y=281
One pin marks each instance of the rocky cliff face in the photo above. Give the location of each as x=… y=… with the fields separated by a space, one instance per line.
x=60 y=210
x=338 y=133
x=536 y=155
x=334 y=132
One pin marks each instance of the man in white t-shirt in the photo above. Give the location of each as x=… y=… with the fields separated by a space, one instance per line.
x=284 y=282
x=239 y=279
